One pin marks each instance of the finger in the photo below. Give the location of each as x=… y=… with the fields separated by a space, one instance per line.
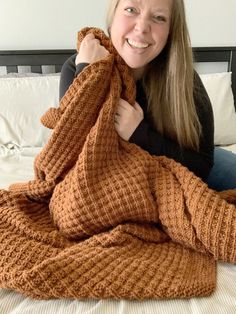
x=120 y=110
x=137 y=107
x=124 y=104
x=95 y=40
x=106 y=52
x=116 y=118
x=89 y=36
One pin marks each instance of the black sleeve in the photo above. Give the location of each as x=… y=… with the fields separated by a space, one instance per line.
x=156 y=144
x=68 y=72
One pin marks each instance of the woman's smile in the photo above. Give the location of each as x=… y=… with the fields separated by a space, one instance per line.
x=137 y=44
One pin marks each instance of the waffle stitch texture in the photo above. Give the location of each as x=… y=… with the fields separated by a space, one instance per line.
x=103 y=218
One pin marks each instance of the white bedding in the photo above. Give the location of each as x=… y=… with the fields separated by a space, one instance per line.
x=16 y=166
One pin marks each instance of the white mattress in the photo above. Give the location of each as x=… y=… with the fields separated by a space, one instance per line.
x=17 y=166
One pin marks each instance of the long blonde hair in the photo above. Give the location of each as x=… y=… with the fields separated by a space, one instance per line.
x=168 y=82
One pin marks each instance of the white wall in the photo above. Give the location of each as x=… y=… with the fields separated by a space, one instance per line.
x=212 y=22
x=52 y=24
x=46 y=24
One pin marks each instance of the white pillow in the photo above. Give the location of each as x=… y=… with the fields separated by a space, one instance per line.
x=23 y=100
x=218 y=87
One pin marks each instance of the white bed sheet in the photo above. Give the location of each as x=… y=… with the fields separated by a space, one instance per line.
x=231 y=148
x=17 y=166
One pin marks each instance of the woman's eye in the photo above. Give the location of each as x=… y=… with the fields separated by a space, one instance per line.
x=159 y=18
x=130 y=10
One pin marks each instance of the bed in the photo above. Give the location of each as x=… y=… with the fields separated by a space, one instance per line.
x=29 y=82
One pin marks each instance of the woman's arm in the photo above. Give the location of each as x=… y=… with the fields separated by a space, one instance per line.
x=68 y=72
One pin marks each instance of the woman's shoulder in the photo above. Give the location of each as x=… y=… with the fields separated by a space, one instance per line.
x=201 y=98
x=197 y=82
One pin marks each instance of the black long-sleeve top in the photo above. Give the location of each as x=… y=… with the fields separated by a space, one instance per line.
x=151 y=140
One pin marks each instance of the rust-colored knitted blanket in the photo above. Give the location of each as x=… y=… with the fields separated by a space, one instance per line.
x=103 y=218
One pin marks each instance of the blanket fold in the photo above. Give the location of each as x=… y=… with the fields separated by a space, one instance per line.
x=104 y=219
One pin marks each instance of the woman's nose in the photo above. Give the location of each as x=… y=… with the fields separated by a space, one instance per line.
x=142 y=24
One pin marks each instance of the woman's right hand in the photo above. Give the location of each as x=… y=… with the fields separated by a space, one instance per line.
x=90 y=50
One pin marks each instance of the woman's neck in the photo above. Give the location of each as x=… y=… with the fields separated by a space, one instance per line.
x=138 y=73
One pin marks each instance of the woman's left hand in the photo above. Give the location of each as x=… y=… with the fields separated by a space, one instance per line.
x=91 y=50
x=127 y=118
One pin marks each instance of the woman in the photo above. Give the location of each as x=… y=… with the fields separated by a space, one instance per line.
x=172 y=115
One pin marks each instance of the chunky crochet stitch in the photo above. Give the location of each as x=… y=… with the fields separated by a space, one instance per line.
x=103 y=218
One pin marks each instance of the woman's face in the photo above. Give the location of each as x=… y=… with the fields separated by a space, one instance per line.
x=139 y=30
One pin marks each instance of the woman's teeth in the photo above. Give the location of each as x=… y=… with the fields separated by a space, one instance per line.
x=136 y=44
